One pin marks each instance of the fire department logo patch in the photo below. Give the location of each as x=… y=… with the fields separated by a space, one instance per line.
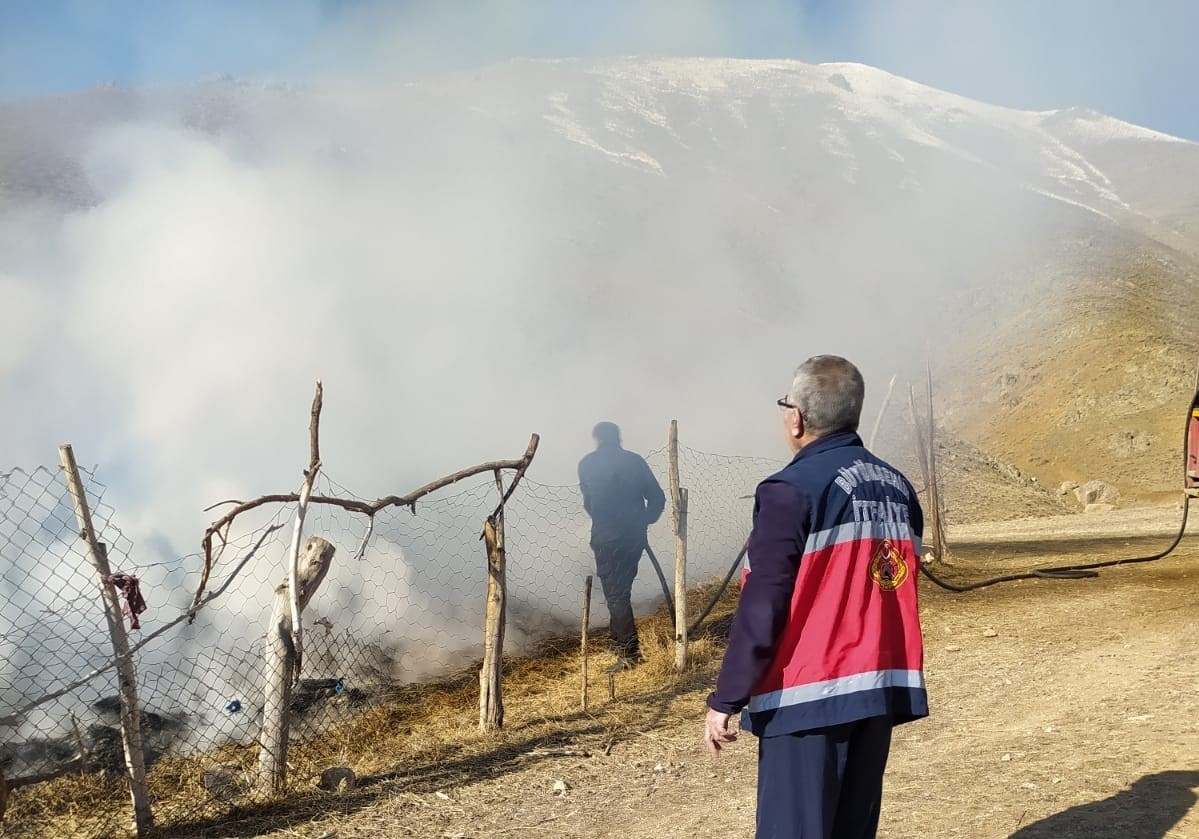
x=887 y=568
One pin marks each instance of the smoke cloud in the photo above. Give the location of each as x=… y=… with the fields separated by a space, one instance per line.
x=464 y=256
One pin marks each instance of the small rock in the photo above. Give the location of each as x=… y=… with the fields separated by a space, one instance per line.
x=952 y=648
x=1006 y=756
x=659 y=767
x=561 y=787
x=990 y=633
x=1096 y=492
x=1028 y=785
x=443 y=796
x=338 y=779
x=1067 y=487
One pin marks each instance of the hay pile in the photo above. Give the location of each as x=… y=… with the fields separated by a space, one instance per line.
x=433 y=726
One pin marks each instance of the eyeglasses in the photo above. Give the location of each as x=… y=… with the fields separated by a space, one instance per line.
x=786 y=405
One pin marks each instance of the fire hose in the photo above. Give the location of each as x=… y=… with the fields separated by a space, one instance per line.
x=715 y=596
x=1057 y=572
x=1087 y=569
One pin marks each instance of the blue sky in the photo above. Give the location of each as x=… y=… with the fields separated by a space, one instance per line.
x=1136 y=61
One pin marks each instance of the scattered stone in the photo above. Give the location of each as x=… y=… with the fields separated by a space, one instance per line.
x=1006 y=756
x=221 y=782
x=1096 y=492
x=952 y=648
x=990 y=633
x=1067 y=487
x=561 y=788
x=338 y=779
x=443 y=796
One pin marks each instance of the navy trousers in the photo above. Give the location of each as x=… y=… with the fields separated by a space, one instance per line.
x=616 y=563
x=826 y=783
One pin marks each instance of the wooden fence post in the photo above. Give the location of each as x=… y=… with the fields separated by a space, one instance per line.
x=491 y=698
x=131 y=736
x=678 y=509
x=583 y=634
x=280 y=663
x=934 y=492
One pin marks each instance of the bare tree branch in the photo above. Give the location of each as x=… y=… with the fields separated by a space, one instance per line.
x=219 y=528
x=520 y=473
x=314 y=466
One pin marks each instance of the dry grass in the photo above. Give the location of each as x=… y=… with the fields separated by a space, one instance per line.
x=418 y=738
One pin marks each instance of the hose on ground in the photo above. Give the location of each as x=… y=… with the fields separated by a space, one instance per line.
x=1088 y=569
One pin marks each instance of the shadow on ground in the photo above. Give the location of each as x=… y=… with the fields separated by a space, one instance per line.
x=1146 y=810
x=513 y=752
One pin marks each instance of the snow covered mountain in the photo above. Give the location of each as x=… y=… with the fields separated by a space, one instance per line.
x=650 y=225
x=833 y=125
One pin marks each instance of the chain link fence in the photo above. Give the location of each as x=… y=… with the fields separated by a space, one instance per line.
x=402 y=603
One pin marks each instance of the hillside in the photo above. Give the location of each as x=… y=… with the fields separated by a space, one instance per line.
x=535 y=246
x=655 y=227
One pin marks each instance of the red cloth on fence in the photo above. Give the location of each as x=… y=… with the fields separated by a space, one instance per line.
x=135 y=604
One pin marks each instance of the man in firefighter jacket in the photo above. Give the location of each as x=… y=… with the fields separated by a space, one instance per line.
x=623 y=498
x=825 y=654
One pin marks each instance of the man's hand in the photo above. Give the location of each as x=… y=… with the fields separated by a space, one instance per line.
x=716 y=731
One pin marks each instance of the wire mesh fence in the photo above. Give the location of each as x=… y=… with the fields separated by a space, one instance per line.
x=402 y=603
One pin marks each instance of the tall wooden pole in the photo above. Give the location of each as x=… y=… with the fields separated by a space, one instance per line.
x=583 y=634
x=678 y=510
x=131 y=735
x=932 y=536
x=491 y=697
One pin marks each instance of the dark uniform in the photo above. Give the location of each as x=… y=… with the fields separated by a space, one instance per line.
x=623 y=498
x=825 y=654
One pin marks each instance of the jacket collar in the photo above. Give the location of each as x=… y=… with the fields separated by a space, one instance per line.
x=827 y=443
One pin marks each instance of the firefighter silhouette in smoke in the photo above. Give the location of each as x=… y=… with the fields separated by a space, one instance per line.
x=623 y=498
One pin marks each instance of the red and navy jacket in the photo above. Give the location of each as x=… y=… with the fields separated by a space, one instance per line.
x=827 y=630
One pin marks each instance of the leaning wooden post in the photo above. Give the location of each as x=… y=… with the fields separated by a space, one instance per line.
x=583 y=634
x=131 y=736
x=491 y=698
x=882 y=411
x=293 y=553
x=678 y=510
x=280 y=664
x=932 y=529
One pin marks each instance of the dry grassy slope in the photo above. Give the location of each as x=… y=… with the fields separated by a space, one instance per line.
x=1089 y=376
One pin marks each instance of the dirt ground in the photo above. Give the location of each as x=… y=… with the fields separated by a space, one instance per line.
x=1060 y=708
